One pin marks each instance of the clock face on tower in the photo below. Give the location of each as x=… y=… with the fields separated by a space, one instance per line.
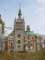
x=0 y=27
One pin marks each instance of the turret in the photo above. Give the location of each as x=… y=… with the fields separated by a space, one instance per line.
x=28 y=28
x=1 y=25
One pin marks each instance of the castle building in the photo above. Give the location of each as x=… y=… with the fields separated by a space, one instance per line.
x=19 y=39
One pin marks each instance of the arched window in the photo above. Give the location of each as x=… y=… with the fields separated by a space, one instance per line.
x=19 y=41
x=19 y=35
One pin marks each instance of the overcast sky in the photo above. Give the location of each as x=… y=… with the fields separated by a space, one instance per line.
x=33 y=12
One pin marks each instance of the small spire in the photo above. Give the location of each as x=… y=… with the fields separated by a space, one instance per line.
x=28 y=28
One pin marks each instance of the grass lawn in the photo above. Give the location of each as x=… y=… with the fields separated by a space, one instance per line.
x=23 y=56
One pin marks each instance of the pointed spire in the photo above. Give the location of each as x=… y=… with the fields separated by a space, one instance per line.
x=19 y=13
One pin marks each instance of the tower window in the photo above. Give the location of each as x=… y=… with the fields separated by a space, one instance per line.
x=19 y=41
x=19 y=35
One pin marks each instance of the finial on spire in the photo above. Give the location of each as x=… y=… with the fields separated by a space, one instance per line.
x=19 y=13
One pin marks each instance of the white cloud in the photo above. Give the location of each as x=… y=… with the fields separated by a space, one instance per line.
x=40 y=1
x=39 y=18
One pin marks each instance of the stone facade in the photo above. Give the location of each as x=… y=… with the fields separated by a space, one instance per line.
x=19 y=39
x=22 y=40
